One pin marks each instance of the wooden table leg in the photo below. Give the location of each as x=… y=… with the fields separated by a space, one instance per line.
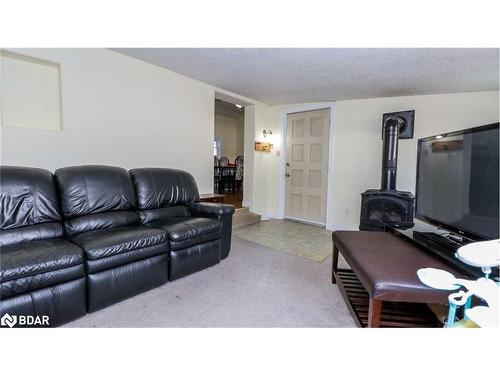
x=374 y=313
x=335 y=261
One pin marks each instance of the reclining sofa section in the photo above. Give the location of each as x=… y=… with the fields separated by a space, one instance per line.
x=122 y=258
x=90 y=236
x=196 y=234
x=40 y=272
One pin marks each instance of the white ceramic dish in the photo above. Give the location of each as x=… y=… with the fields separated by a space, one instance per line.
x=480 y=254
x=437 y=279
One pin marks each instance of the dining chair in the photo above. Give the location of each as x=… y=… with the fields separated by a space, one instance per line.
x=216 y=174
x=223 y=161
x=238 y=178
x=227 y=173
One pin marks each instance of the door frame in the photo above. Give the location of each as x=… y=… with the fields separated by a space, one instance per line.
x=248 y=133
x=329 y=196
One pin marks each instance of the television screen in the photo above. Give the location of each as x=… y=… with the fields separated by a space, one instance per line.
x=457 y=181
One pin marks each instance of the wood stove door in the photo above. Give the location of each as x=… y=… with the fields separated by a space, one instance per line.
x=307 y=143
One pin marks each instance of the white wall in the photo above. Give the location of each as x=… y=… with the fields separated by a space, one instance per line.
x=358 y=146
x=231 y=133
x=121 y=111
x=29 y=83
x=267 y=164
x=248 y=157
x=125 y=112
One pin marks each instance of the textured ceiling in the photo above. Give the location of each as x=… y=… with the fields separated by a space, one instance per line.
x=280 y=76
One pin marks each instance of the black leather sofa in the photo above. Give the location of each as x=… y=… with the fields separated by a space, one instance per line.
x=90 y=236
x=40 y=272
x=167 y=200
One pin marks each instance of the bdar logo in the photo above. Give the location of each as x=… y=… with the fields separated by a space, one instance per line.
x=8 y=320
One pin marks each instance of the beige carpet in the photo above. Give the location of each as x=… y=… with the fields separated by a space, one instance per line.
x=254 y=286
x=308 y=241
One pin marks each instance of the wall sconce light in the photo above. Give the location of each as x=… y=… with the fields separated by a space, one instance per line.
x=266 y=133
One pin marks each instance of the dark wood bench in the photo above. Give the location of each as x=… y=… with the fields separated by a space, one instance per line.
x=384 y=272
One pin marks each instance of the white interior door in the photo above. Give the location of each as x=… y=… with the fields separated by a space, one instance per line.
x=306 y=168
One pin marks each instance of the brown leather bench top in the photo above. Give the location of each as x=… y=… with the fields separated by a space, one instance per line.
x=387 y=266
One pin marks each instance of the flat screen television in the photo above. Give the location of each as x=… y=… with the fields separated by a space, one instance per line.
x=457 y=182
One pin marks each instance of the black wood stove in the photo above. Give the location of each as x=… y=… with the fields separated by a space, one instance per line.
x=388 y=205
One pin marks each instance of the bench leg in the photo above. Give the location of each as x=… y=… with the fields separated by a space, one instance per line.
x=335 y=261
x=374 y=313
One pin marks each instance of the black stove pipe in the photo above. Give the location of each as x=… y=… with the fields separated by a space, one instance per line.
x=391 y=129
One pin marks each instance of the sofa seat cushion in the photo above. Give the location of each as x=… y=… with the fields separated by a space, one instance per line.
x=29 y=266
x=112 y=247
x=188 y=231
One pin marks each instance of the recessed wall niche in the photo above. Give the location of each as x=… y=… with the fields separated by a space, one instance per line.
x=30 y=92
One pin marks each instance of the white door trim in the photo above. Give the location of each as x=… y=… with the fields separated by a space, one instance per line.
x=284 y=114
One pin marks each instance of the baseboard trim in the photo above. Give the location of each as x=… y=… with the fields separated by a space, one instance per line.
x=334 y=227
x=305 y=221
x=247 y=204
x=269 y=215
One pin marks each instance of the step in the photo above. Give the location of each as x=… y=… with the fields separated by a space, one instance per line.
x=244 y=219
x=241 y=210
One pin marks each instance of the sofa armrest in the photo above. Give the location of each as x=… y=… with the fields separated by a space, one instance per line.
x=222 y=212
x=211 y=209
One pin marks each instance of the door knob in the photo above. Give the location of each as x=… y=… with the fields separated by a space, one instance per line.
x=287 y=174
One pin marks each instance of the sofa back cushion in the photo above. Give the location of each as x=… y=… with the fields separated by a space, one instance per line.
x=29 y=208
x=96 y=196
x=163 y=193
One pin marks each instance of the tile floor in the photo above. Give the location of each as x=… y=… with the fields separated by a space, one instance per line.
x=308 y=241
